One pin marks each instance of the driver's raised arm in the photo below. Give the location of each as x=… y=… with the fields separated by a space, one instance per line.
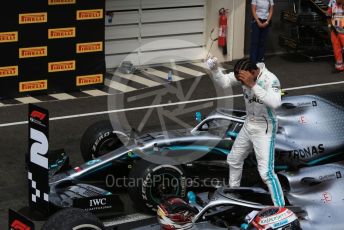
x=224 y=80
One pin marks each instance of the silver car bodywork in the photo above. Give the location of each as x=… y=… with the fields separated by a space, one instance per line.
x=315 y=194
x=310 y=133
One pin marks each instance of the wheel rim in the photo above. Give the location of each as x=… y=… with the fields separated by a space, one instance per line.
x=105 y=147
x=86 y=227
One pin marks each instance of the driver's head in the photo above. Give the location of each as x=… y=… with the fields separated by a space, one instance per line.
x=244 y=65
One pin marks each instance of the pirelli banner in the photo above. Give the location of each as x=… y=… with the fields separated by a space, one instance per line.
x=51 y=46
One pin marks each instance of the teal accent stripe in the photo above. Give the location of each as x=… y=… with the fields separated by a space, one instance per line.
x=96 y=169
x=232 y=134
x=198 y=148
x=281 y=167
x=271 y=161
x=313 y=162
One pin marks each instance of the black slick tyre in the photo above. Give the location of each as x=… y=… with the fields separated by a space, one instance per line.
x=73 y=219
x=154 y=183
x=99 y=139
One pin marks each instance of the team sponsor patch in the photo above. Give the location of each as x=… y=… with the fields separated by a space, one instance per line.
x=303 y=120
x=306 y=152
x=276 y=86
x=338 y=174
x=275 y=218
x=306 y=104
x=326 y=197
x=261 y=84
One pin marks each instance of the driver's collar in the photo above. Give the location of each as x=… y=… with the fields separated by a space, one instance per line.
x=259 y=75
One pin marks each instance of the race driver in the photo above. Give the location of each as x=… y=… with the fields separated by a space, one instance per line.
x=336 y=25
x=262 y=93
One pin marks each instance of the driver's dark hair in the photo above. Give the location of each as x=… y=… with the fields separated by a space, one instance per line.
x=244 y=64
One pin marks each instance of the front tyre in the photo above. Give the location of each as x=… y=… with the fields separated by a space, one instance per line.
x=99 y=139
x=73 y=219
x=154 y=183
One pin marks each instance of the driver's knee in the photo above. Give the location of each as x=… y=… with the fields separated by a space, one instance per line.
x=234 y=160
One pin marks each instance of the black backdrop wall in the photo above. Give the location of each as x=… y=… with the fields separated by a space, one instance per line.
x=51 y=45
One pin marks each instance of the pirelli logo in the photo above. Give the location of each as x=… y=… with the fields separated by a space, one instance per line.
x=68 y=32
x=29 y=18
x=8 y=71
x=9 y=37
x=61 y=66
x=89 y=79
x=89 y=14
x=89 y=47
x=33 y=85
x=61 y=2
x=30 y=52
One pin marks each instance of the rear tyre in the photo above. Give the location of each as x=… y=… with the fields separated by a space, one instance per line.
x=155 y=183
x=99 y=139
x=73 y=219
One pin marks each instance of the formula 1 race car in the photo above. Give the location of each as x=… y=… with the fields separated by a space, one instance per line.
x=314 y=194
x=313 y=197
x=309 y=133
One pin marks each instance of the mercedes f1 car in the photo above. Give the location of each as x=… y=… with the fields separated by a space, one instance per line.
x=314 y=194
x=310 y=133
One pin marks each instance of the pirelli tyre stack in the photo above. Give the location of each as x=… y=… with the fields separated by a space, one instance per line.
x=306 y=28
x=51 y=46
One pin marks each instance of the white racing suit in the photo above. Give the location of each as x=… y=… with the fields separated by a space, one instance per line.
x=259 y=130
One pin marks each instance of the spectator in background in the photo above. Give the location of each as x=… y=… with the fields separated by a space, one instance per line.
x=336 y=25
x=262 y=11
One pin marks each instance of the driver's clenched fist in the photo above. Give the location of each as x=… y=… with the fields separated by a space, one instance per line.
x=212 y=63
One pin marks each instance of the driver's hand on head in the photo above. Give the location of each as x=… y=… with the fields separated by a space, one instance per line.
x=246 y=78
x=212 y=63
